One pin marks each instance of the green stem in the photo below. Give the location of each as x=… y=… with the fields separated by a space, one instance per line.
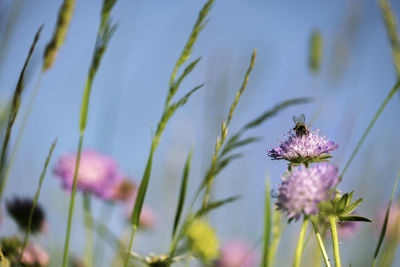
x=88 y=260
x=299 y=247
x=72 y=201
x=188 y=259
x=130 y=244
x=371 y=124
x=335 y=241
x=321 y=244
x=20 y=134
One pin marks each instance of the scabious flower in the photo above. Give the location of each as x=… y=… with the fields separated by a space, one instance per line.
x=20 y=209
x=97 y=173
x=237 y=254
x=305 y=148
x=34 y=255
x=303 y=189
x=203 y=240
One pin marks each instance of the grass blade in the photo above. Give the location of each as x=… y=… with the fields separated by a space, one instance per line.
x=35 y=199
x=391 y=28
x=267 y=225
x=371 y=124
x=214 y=205
x=104 y=35
x=16 y=101
x=385 y=222
x=188 y=48
x=169 y=110
x=182 y=193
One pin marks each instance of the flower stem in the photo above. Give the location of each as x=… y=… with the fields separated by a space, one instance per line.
x=371 y=124
x=130 y=244
x=299 y=247
x=88 y=260
x=321 y=244
x=335 y=241
x=72 y=201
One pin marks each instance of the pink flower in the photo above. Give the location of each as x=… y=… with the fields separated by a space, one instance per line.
x=237 y=254
x=34 y=255
x=97 y=173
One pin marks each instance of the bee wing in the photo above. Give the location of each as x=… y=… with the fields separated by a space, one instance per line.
x=300 y=118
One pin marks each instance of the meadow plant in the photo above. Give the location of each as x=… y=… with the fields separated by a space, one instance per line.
x=308 y=191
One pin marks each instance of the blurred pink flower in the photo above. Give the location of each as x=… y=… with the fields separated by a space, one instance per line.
x=97 y=173
x=237 y=254
x=348 y=229
x=123 y=191
x=34 y=255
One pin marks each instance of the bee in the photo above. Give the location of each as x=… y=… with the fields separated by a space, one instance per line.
x=300 y=128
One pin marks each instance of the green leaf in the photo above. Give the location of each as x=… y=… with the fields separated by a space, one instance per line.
x=182 y=194
x=142 y=190
x=341 y=203
x=349 y=209
x=214 y=205
x=353 y=218
x=267 y=225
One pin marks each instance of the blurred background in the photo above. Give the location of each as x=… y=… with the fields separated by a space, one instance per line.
x=129 y=91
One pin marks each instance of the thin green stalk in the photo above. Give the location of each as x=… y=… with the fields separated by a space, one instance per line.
x=321 y=244
x=188 y=259
x=72 y=201
x=88 y=260
x=299 y=247
x=13 y=112
x=21 y=130
x=224 y=130
x=385 y=222
x=276 y=236
x=267 y=225
x=134 y=227
x=335 y=241
x=35 y=199
x=371 y=124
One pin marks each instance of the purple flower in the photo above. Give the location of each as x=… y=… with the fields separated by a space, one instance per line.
x=237 y=254
x=307 y=147
x=97 y=173
x=303 y=189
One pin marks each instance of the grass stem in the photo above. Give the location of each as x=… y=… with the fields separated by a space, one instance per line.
x=300 y=242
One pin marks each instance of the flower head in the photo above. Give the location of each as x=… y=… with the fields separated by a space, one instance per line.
x=203 y=240
x=237 y=254
x=305 y=148
x=97 y=173
x=34 y=255
x=20 y=209
x=303 y=189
